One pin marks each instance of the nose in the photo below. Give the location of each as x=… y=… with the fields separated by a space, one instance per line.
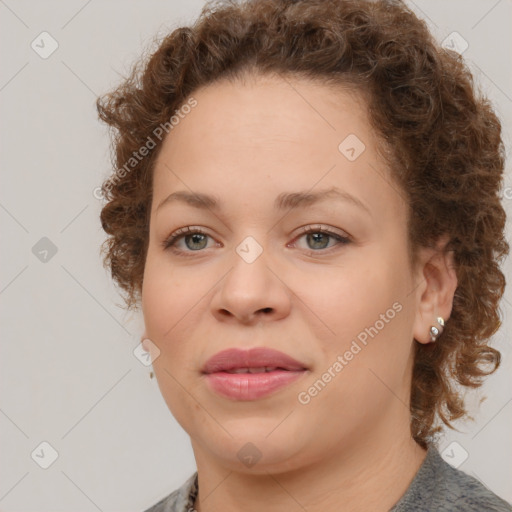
x=251 y=293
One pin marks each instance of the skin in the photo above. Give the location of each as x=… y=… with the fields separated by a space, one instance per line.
x=246 y=143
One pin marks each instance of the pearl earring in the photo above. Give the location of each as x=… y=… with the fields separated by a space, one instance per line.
x=435 y=331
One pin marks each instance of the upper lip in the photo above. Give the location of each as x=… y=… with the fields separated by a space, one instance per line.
x=233 y=358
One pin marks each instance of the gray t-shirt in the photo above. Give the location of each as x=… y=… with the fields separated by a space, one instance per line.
x=436 y=487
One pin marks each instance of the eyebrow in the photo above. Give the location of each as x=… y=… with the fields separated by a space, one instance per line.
x=284 y=201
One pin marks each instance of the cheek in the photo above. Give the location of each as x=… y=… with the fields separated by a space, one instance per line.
x=165 y=296
x=168 y=299
x=367 y=314
x=173 y=303
x=351 y=297
x=167 y=282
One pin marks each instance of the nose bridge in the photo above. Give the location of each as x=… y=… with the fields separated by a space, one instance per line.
x=248 y=278
x=251 y=288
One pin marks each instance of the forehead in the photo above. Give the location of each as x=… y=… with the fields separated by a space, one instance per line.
x=273 y=134
x=271 y=109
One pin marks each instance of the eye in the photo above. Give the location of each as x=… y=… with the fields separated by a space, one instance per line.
x=195 y=240
x=195 y=235
x=317 y=237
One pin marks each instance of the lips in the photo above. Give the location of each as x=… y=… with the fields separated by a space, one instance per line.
x=255 y=360
x=249 y=375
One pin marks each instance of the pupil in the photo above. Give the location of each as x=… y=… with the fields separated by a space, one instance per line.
x=315 y=237
x=195 y=237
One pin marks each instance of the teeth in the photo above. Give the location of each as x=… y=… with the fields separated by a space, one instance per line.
x=263 y=369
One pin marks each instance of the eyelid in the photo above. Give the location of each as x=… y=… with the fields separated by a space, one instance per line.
x=325 y=229
x=181 y=232
x=342 y=237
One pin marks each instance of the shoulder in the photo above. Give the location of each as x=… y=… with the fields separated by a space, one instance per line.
x=180 y=500
x=466 y=493
x=440 y=487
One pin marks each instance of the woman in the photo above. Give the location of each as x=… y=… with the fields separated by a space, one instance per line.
x=306 y=208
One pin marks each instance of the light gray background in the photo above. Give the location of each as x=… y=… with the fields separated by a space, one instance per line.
x=68 y=373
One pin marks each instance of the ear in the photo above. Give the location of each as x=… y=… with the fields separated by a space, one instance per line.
x=436 y=282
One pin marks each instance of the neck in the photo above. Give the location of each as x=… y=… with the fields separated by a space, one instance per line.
x=372 y=474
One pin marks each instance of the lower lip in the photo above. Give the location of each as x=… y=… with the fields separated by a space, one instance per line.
x=251 y=386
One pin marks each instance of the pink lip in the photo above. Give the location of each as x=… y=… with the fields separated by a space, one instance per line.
x=233 y=358
x=251 y=386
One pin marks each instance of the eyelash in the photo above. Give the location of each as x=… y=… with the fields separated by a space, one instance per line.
x=170 y=242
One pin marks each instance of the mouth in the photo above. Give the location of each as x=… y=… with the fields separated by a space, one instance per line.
x=265 y=369
x=255 y=360
x=248 y=375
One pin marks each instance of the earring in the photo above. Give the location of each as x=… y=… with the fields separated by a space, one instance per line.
x=435 y=331
x=142 y=343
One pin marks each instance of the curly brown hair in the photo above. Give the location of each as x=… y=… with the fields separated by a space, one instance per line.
x=447 y=154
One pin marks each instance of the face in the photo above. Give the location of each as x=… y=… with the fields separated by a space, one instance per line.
x=325 y=281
